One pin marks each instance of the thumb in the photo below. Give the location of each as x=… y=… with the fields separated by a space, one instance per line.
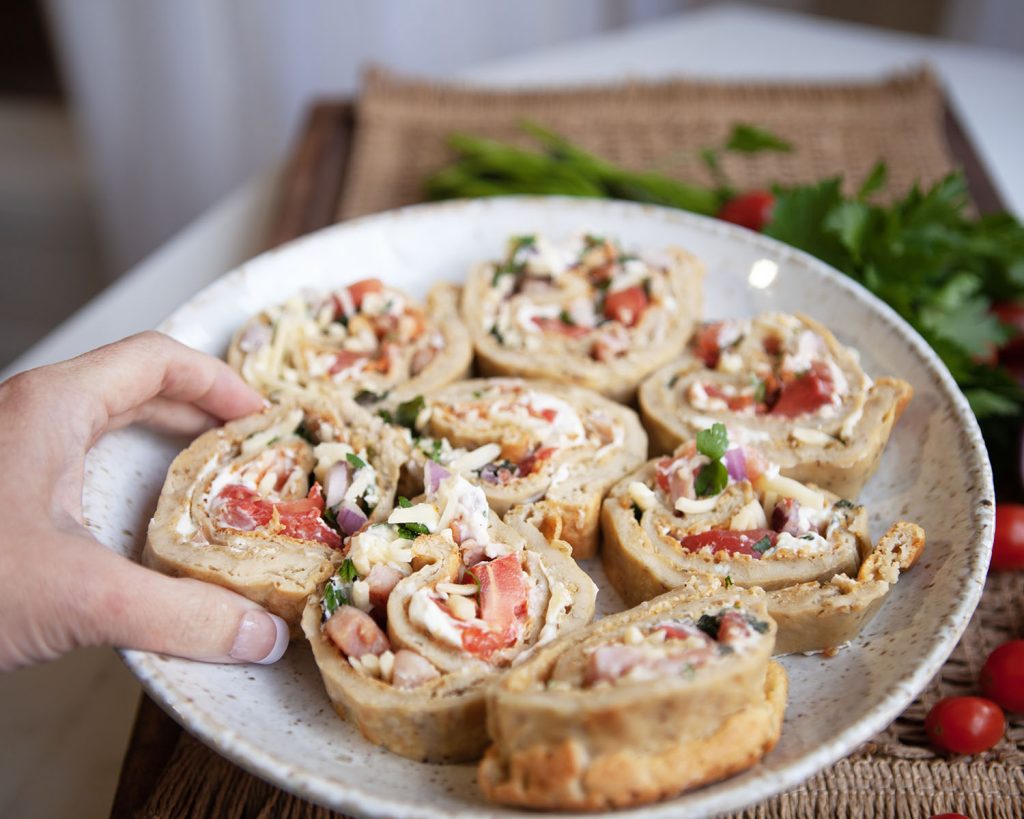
x=129 y=606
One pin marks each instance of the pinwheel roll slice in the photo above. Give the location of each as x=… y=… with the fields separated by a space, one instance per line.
x=367 y=339
x=429 y=607
x=785 y=384
x=667 y=696
x=713 y=507
x=262 y=504
x=553 y=448
x=583 y=312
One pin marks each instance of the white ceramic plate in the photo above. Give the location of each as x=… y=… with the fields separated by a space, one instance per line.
x=277 y=721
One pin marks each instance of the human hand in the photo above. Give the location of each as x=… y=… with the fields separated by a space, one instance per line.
x=59 y=587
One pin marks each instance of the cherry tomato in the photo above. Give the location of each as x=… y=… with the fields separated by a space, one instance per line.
x=965 y=725
x=1008 y=548
x=752 y=209
x=1011 y=313
x=1002 y=676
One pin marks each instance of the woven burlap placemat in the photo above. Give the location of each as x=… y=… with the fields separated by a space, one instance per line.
x=836 y=129
x=843 y=129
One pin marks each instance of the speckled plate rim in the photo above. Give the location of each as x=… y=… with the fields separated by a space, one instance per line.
x=283 y=772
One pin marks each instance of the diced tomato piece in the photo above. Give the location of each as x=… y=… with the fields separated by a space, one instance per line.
x=301 y=519
x=732 y=628
x=705 y=343
x=359 y=290
x=734 y=402
x=484 y=642
x=626 y=306
x=238 y=507
x=554 y=325
x=502 y=590
x=549 y=414
x=724 y=540
x=805 y=393
x=343 y=359
x=661 y=473
x=532 y=461
x=313 y=502
x=682 y=631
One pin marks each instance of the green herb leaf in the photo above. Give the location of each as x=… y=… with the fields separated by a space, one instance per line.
x=565 y=318
x=874 y=181
x=763 y=545
x=728 y=581
x=355 y=460
x=404 y=502
x=408 y=411
x=711 y=479
x=750 y=139
x=709 y=624
x=760 y=626
x=411 y=531
x=366 y=397
x=713 y=441
x=347 y=571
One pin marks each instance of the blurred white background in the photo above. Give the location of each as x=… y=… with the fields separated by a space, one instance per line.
x=166 y=106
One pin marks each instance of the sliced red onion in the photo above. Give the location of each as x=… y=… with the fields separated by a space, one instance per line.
x=433 y=474
x=736 y=463
x=336 y=483
x=350 y=518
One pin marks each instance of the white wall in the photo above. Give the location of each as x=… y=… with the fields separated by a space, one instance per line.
x=179 y=101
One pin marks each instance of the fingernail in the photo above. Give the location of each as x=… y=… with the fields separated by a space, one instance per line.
x=262 y=638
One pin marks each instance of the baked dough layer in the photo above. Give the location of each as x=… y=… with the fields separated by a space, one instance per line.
x=443 y=720
x=819 y=601
x=297 y=349
x=837 y=448
x=657 y=336
x=624 y=745
x=277 y=571
x=578 y=449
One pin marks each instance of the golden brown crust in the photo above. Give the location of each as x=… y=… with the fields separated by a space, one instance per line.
x=563 y=777
x=276 y=571
x=618 y=378
x=285 y=378
x=813 y=615
x=563 y=497
x=442 y=720
x=557 y=746
x=843 y=465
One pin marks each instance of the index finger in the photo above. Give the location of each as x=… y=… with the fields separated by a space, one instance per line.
x=120 y=377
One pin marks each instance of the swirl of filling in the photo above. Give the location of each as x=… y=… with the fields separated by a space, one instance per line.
x=552 y=448
x=263 y=504
x=584 y=312
x=638 y=706
x=366 y=339
x=430 y=605
x=785 y=384
x=721 y=508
